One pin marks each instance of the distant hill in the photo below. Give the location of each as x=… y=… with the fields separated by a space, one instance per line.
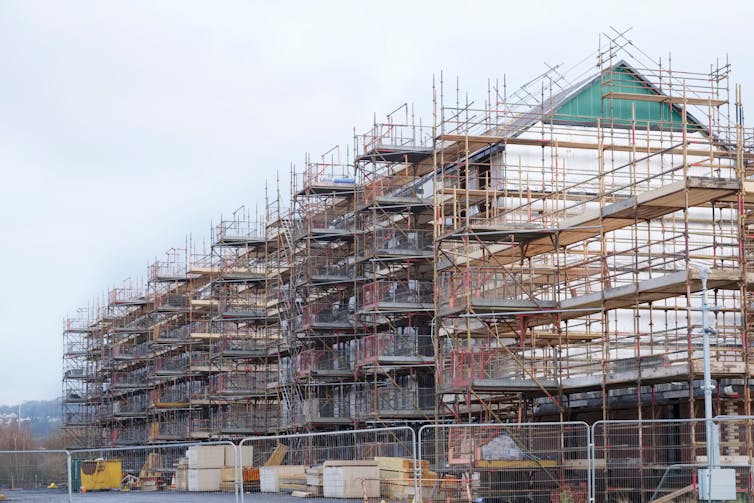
x=41 y=416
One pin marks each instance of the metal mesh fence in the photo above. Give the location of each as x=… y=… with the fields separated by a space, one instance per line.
x=630 y=458
x=540 y=462
x=40 y=473
x=177 y=468
x=682 y=481
x=365 y=464
x=643 y=461
x=613 y=461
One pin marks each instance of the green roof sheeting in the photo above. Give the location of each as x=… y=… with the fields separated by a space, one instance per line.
x=588 y=104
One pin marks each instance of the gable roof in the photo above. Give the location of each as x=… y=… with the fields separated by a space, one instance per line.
x=586 y=103
x=583 y=104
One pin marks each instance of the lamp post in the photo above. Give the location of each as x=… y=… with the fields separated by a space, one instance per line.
x=716 y=483
x=16 y=435
x=713 y=451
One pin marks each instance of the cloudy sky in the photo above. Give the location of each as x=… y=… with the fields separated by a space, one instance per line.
x=126 y=126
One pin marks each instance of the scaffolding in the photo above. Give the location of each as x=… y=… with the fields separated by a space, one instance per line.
x=574 y=219
x=82 y=393
x=394 y=254
x=322 y=286
x=536 y=256
x=244 y=335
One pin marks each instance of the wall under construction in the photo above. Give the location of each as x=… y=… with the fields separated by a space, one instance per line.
x=538 y=256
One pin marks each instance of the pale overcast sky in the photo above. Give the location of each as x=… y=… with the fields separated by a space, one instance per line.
x=125 y=126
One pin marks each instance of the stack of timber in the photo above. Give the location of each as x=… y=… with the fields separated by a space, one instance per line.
x=228 y=479
x=270 y=476
x=205 y=464
x=441 y=488
x=351 y=479
x=292 y=482
x=397 y=476
x=181 y=475
x=245 y=461
x=212 y=468
x=314 y=480
x=245 y=455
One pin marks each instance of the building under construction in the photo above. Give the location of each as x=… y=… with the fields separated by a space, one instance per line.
x=539 y=255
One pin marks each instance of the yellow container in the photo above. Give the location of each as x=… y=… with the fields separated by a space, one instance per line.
x=101 y=474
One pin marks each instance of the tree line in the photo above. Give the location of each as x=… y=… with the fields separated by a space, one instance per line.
x=26 y=470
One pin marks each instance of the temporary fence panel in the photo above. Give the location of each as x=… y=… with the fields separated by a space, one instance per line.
x=35 y=474
x=371 y=463
x=642 y=461
x=683 y=481
x=204 y=469
x=538 y=462
x=736 y=444
x=631 y=457
x=560 y=462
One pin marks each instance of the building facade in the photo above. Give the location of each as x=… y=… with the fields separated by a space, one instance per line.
x=538 y=257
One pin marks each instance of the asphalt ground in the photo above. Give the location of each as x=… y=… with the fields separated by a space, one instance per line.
x=61 y=496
